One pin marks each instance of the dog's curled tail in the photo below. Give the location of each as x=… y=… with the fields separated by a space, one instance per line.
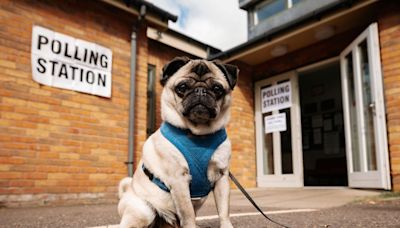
x=124 y=185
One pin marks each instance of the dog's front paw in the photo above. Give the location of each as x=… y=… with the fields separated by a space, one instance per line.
x=226 y=224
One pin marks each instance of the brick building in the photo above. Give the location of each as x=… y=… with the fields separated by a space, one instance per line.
x=338 y=61
x=58 y=145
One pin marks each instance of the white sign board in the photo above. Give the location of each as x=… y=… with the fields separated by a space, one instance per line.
x=276 y=97
x=274 y=123
x=65 y=62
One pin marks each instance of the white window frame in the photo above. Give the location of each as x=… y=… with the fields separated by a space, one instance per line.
x=289 y=4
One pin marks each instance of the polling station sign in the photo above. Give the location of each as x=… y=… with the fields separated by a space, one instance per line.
x=65 y=62
x=276 y=97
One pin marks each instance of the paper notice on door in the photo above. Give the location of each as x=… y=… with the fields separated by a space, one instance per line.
x=275 y=123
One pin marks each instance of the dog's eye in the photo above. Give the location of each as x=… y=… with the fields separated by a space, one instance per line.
x=181 y=89
x=218 y=90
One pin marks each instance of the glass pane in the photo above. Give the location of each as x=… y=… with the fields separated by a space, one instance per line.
x=355 y=151
x=368 y=107
x=286 y=145
x=151 y=100
x=294 y=2
x=268 y=152
x=270 y=9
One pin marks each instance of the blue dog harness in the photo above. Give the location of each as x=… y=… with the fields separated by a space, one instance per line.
x=197 y=150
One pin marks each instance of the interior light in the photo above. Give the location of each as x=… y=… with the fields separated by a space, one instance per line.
x=324 y=32
x=279 y=50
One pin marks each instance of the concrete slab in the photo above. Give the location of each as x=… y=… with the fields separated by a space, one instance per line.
x=290 y=198
x=302 y=197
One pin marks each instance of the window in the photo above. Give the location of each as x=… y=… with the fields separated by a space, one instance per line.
x=151 y=99
x=270 y=8
x=294 y=2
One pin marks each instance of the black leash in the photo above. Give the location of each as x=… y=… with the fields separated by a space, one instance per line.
x=251 y=200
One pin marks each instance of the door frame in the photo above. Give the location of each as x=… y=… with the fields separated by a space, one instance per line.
x=277 y=179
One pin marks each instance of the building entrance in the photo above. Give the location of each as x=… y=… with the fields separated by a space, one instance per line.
x=325 y=124
x=278 y=132
x=324 y=153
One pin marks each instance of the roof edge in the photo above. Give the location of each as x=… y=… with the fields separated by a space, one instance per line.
x=193 y=40
x=182 y=42
x=152 y=8
x=254 y=41
x=157 y=16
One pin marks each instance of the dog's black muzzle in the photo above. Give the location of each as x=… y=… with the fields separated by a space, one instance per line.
x=200 y=105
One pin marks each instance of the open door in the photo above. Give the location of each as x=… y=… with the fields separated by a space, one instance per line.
x=364 y=112
x=278 y=132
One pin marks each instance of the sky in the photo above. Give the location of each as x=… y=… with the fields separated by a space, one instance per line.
x=219 y=23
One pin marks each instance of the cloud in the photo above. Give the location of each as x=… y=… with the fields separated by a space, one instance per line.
x=219 y=23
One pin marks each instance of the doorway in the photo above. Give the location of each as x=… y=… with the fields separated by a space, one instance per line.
x=323 y=139
x=278 y=132
x=325 y=124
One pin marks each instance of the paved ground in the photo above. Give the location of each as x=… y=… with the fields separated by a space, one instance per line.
x=307 y=207
x=377 y=214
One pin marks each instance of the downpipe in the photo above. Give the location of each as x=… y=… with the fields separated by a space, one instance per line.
x=131 y=131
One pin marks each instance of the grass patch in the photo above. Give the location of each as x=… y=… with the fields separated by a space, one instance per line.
x=386 y=195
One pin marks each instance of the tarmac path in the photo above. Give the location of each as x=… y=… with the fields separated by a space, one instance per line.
x=369 y=212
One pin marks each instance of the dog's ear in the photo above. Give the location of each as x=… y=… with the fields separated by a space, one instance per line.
x=172 y=67
x=231 y=72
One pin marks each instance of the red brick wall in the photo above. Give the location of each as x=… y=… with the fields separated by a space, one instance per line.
x=55 y=143
x=58 y=145
x=389 y=35
x=241 y=129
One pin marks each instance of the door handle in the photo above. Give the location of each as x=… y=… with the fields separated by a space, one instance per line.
x=372 y=107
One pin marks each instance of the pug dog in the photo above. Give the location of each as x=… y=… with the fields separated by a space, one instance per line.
x=188 y=156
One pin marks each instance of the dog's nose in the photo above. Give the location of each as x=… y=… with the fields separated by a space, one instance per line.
x=201 y=91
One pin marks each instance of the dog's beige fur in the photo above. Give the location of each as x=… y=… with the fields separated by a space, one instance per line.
x=141 y=201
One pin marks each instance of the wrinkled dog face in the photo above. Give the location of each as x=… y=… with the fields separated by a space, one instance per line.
x=197 y=94
x=200 y=91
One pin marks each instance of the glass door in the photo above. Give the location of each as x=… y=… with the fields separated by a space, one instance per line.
x=364 y=112
x=278 y=132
